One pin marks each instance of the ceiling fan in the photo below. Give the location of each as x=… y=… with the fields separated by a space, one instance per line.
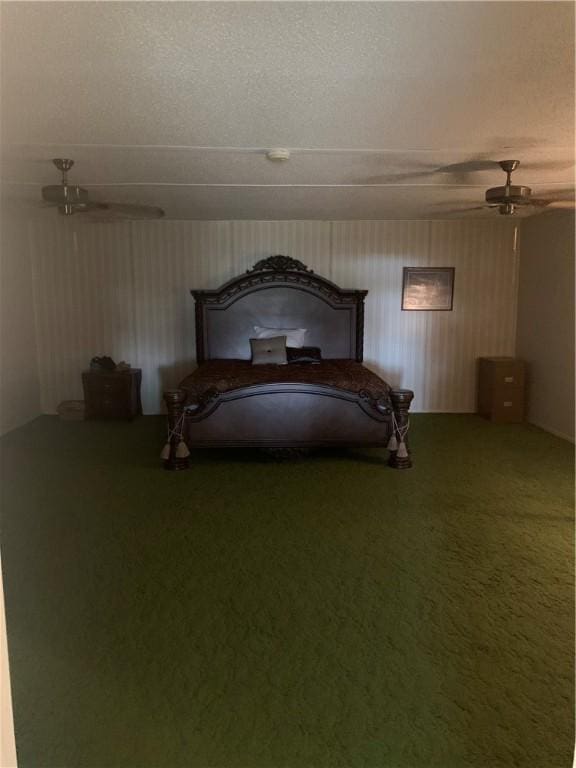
x=71 y=199
x=510 y=198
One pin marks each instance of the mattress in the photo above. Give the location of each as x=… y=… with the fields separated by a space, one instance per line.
x=228 y=375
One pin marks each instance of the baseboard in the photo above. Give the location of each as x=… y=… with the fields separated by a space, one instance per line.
x=555 y=432
x=5 y=430
x=459 y=412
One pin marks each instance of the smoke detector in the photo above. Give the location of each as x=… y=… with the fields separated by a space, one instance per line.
x=278 y=155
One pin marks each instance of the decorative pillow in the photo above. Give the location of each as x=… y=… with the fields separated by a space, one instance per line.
x=303 y=354
x=294 y=336
x=269 y=351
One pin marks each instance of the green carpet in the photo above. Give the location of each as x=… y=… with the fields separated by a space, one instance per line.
x=323 y=613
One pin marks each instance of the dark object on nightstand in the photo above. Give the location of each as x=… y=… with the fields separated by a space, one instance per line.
x=113 y=394
x=501 y=389
x=102 y=364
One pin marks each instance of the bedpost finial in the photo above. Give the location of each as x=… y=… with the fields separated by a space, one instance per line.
x=280 y=263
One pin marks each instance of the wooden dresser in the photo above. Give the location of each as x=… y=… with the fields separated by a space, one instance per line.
x=112 y=395
x=501 y=389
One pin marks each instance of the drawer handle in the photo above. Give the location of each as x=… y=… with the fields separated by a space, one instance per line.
x=107 y=386
x=507 y=403
x=509 y=379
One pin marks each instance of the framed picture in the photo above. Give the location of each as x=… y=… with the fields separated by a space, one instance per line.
x=428 y=288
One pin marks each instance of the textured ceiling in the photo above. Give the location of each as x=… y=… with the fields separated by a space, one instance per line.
x=174 y=104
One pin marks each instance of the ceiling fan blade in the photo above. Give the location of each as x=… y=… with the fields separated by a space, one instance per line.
x=469 y=166
x=466 y=207
x=464 y=172
x=567 y=205
x=70 y=209
x=547 y=165
x=460 y=172
x=464 y=210
x=558 y=198
x=123 y=211
x=424 y=171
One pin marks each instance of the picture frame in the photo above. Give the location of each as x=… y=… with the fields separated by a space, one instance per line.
x=428 y=289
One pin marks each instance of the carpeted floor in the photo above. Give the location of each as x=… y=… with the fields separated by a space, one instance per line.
x=323 y=613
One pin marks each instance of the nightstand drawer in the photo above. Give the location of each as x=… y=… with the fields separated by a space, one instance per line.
x=497 y=373
x=508 y=407
x=101 y=384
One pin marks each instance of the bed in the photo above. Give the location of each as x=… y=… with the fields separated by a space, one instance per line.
x=228 y=402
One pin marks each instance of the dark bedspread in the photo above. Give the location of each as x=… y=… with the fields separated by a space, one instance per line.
x=227 y=375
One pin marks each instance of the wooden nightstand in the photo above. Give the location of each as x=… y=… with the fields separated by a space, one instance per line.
x=501 y=389
x=112 y=395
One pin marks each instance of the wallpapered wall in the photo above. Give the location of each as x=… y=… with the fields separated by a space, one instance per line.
x=546 y=319
x=19 y=381
x=123 y=290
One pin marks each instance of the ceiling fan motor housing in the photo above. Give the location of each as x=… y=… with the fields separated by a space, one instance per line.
x=63 y=194
x=509 y=194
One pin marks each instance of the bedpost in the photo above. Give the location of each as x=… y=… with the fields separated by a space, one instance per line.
x=175 y=399
x=401 y=399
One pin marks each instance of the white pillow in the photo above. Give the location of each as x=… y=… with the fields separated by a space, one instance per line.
x=294 y=336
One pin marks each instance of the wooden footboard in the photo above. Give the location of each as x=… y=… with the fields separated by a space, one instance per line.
x=281 y=416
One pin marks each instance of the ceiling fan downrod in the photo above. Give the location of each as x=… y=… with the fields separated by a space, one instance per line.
x=63 y=165
x=508 y=166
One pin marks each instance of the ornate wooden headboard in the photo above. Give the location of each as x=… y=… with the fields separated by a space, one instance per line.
x=279 y=292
